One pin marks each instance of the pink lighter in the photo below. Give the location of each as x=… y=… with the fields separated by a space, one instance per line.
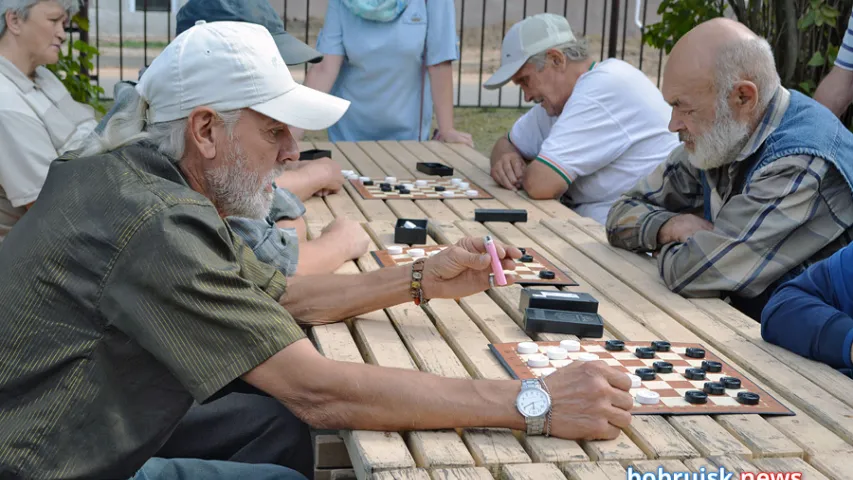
x=497 y=268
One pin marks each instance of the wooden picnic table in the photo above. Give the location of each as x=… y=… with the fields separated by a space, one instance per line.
x=451 y=338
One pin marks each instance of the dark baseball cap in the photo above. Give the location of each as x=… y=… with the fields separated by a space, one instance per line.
x=293 y=51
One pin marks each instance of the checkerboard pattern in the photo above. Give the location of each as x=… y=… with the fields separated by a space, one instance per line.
x=670 y=386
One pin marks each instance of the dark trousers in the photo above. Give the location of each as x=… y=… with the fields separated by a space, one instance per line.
x=246 y=428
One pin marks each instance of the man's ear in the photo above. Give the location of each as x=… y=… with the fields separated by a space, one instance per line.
x=201 y=131
x=743 y=100
x=557 y=58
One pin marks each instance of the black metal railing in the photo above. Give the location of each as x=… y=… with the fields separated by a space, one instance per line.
x=130 y=33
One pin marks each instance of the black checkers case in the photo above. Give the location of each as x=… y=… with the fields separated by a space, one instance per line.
x=557 y=300
x=314 y=154
x=434 y=168
x=581 y=324
x=410 y=231
x=499 y=215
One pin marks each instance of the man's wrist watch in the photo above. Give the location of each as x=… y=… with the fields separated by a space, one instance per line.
x=534 y=404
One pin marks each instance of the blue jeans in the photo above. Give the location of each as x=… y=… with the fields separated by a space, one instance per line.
x=192 y=469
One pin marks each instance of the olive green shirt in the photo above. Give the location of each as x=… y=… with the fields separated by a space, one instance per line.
x=123 y=297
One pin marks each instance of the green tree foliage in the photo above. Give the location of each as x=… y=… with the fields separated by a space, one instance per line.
x=805 y=34
x=72 y=66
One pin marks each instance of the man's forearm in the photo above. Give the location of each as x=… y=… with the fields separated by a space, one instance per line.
x=320 y=256
x=634 y=225
x=321 y=299
x=835 y=92
x=303 y=182
x=353 y=396
x=502 y=147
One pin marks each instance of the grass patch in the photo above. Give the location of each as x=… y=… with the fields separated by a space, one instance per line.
x=486 y=125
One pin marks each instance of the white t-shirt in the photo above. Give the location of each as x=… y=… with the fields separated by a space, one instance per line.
x=611 y=133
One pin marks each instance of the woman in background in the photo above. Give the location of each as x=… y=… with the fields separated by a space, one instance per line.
x=39 y=121
x=392 y=60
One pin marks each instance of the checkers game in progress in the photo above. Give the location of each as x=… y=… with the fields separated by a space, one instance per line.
x=667 y=378
x=391 y=188
x=531 y=269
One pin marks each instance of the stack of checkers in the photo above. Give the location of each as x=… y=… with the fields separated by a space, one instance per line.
x=415 y=253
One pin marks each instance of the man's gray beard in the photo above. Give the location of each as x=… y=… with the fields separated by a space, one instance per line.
x=237 y=190
x=721 y=145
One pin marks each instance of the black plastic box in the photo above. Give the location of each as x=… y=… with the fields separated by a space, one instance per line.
x=582 y=324
x=410 y=236
x=554 y=300
x=499 y=215
x=314 y=154
x=433 y=168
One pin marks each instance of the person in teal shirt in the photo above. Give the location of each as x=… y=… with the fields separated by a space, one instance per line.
x=392 y=60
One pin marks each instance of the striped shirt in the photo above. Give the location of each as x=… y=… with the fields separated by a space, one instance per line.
x=793 y=212
x=844 y=59
x=124 y=297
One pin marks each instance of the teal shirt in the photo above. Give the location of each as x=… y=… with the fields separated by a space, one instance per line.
x=381 y=72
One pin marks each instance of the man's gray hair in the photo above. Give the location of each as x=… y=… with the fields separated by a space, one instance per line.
x=128 y=125
x=22 y=9
x=747 y=59
x=575 y=51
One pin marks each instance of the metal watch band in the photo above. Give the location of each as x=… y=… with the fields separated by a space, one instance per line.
x=535 y=425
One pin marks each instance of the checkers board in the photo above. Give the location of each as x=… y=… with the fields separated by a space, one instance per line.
x=439 y=188
x=671 y=388
x=526 y=273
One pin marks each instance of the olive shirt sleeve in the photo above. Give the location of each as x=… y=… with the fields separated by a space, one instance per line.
x=194 y=296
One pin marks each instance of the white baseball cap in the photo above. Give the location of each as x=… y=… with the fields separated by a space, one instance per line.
x=533 y=35
x=230 y=66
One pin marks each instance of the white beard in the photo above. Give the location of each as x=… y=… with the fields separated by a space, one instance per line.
x=239 y=191
x=721 y=144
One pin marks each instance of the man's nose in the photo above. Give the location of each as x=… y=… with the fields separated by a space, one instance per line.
x=676 y=125
x=289 y=150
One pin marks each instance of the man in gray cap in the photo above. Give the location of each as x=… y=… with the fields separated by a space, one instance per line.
x=596 y=128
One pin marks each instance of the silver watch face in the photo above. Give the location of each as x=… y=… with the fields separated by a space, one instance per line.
x=533 y=402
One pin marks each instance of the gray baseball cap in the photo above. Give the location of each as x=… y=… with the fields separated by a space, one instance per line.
x=534 y=34
x=293 y=51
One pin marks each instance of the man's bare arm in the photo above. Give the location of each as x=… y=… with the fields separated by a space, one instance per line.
x=836 y=91
x=501 y=148
x=541 y=182
x=590 y=401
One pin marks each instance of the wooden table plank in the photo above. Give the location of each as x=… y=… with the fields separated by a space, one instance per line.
x=494 y=447
x=369 y=451
x=799 y=390
x=475 y=473
x=833 y=466
x=733 y=463
x=335 y=341
x=552 y=208
x=407 y=474
x=594 y=471
x=760 y=436
x=659 y=439
x=387 y=162
x=708 y=436
x=464 y=337
x=553 y=450
x=655 y=467
x=532 y=471
x=405 y=158
x=438 y=449
x=778 y=465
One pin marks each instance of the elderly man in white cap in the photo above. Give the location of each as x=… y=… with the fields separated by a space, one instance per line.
x=596 y=128
x=124 y=295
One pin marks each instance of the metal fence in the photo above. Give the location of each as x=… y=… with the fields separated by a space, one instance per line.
x=130 y=33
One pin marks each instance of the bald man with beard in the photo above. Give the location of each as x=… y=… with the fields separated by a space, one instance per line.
x=758 y=190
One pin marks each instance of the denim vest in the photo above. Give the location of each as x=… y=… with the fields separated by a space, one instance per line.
x=807 y=128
